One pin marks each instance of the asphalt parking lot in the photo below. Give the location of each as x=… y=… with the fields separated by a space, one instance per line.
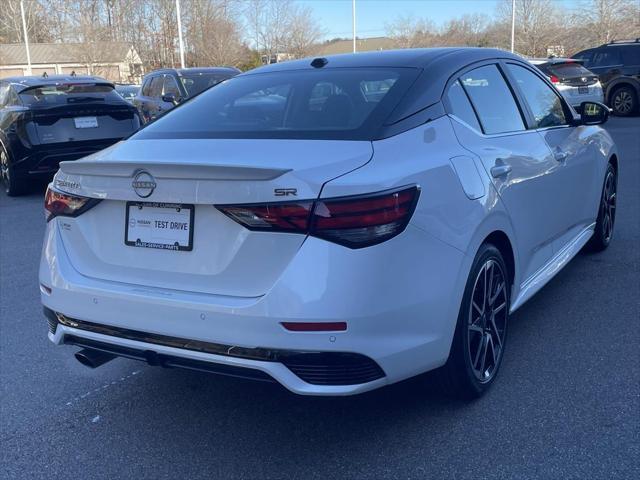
x=566 y=405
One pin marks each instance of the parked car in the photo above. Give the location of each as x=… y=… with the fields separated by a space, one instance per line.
x=46 y=120
x=164 y=89
x=334 y=247
x=127 y=91
x=618 y=66
x=573 y=81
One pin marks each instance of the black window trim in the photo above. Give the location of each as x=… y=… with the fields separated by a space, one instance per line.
x=449 y=107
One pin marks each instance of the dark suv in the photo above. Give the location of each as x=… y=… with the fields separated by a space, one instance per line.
x=618 y=66
x=163 y=89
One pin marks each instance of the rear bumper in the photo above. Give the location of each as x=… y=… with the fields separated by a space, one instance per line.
x=572 y=95
x=45 y=159
x=400 y=305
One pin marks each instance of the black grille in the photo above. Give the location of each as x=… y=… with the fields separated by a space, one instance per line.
x=52 y=320
x=329 y=368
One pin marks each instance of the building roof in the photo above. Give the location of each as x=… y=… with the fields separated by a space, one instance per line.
x=46 y=53
x=362 y=45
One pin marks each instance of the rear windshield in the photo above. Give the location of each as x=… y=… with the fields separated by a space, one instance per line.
x=339 y=103
x=194 y=83
x=565 y=70
x=63 y=94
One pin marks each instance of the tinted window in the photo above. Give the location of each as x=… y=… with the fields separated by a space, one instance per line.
x=607 y=57
x=545 y=104
x=195 y=83
x=340 y=103
x=585 y=55
x=565 y=70
x=493 y=100
x=60 y=94
x=170 y=86
x=4 y=94
x=146 y=87
x=155 y=89
x=460 y=105
x=631 y=55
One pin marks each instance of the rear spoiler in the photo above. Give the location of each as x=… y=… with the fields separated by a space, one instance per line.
x=54 y=84
x=174 y=170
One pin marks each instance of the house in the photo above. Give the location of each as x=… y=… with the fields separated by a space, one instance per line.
x=115 y=61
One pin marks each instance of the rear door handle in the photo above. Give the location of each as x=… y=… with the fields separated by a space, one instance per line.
x=500 y=170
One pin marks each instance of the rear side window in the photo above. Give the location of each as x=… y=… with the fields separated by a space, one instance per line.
x=493 y=100
x=339 y=103
x=631 y=55
x=545 y=104
x=62 y=94
x=195 y=83
x=460 y=106
x=607 y=57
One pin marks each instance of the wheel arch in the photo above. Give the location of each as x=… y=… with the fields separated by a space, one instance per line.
x=621 y=82
x=501 y=241
x=613 y=160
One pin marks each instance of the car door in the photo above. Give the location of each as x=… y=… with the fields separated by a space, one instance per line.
x=169 y=87
x=516 y=159
x=142 y=99
x=576 y=169
x=607 y=64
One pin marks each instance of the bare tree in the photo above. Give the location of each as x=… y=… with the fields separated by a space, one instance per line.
x=601 y=21
x=411 y=32
x=11 y=22
x=537 y=24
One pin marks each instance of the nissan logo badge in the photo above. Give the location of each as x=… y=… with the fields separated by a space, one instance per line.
x=143 y=184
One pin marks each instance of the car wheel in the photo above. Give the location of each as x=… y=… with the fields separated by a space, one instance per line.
x=479 y=340
x=624 y=101
x=12 y=184
x=605 y=222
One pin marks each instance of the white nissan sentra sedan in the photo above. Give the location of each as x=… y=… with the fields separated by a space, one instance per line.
x=335 y=224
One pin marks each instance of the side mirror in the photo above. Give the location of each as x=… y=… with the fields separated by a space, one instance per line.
x=593 y=113
x=170 y=98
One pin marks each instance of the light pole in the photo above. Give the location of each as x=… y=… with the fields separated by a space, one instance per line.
x=353 y=23
x=26 y=38
x=180 y=34
x=513 y=25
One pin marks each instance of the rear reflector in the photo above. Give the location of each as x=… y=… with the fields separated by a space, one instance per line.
x=59 y=204
x=354 y=222
x=315 y=326
x=554 y=79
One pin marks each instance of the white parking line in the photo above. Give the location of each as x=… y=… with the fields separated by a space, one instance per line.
x=101 y=388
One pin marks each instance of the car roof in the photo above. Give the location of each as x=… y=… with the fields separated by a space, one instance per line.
x=37 y=81
x=410 y=57
x=183 y=71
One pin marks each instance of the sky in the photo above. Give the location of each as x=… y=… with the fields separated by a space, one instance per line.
x=371 y=15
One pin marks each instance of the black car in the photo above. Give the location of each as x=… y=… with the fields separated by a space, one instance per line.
x=618 y=66
x=163 y=89
x=46 y=120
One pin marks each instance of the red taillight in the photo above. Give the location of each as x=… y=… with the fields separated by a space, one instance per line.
x=554 y=79
x=354 y=222
x=59 y=204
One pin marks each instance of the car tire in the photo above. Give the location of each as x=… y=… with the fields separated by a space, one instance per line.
x=624 y=101
x=467 y=374
x=605 y=223
x=12 y=183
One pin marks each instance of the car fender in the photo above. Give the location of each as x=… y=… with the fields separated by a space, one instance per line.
x=612 y=85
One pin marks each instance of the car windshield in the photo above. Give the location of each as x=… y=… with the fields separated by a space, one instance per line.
x=66 y=93
x=127 y=91
x=194 y=83
x=339 y=103
x=565 y=70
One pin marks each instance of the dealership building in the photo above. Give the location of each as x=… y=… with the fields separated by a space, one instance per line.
x=115 y=61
